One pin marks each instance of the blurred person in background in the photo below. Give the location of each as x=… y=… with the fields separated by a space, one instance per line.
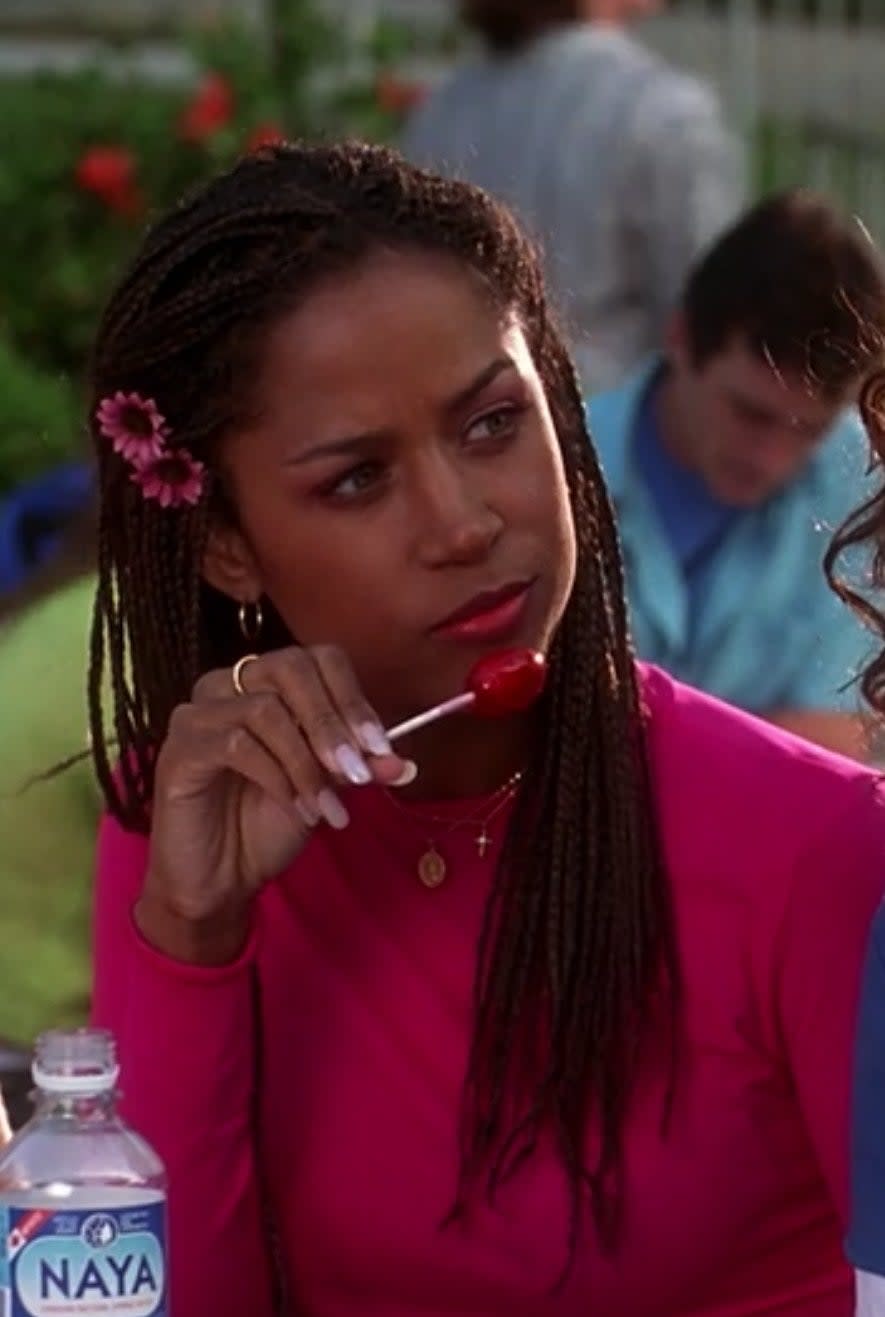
x=619 y=164
x=732 y=453
x=47 y=827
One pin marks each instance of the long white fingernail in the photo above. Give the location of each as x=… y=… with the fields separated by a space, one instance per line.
x=374 y=738
x=310 y=816
x=352 y=765
x=332 y=809
x=408 y=775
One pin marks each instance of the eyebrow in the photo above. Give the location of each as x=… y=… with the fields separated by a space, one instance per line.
x=751 y=404
x=353 y=443
x=779 y=415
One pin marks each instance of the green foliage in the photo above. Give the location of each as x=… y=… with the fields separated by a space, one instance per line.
x=38 y=419
x=65 y=243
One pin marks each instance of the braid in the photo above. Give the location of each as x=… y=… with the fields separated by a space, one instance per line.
x=577 y=944
x=150 y=651
x=578 y=929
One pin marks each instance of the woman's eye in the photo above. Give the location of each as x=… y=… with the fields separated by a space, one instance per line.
x=356 y=481
x=499 y=424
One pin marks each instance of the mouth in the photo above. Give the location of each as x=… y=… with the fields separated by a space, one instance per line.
x=492 y=615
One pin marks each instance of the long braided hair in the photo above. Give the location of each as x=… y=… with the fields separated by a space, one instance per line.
x=578 y=941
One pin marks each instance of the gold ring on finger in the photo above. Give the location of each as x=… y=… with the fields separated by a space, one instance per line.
x=237 y=672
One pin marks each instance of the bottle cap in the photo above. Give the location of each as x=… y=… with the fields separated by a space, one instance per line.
x=75 y=1061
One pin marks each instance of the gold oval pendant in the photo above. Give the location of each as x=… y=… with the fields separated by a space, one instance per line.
x=431 y=868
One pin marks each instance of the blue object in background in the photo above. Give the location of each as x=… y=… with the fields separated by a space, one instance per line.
x=33 y=519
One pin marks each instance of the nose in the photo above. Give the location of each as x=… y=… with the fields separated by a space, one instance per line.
x=456 y=524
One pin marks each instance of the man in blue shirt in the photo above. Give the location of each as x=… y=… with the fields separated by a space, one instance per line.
x=732 y=456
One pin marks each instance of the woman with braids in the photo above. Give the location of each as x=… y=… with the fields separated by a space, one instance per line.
x=524 y=1015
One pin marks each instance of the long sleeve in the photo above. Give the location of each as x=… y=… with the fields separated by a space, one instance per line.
x=186 y=1045
x=818 y=957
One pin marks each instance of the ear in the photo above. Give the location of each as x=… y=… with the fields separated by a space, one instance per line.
x=229 y=564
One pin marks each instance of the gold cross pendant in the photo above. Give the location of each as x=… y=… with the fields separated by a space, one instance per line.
x=483 y=842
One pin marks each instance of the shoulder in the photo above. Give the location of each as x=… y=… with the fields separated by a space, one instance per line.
x=656 y=99
x=840 y=466
x=676 y=117
x=611 y=420
x=455 y=88
x=602 y=408
x=736 y=795
x=610 y=413
x=677 y=96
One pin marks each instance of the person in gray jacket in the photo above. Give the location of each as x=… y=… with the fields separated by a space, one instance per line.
x=620 y=164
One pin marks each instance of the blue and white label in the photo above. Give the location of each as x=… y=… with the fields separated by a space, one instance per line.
x=84 y=1263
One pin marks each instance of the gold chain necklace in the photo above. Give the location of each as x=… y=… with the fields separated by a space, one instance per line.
x=431 y=867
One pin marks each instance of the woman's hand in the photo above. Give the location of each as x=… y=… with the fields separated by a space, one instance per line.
x=242 y=780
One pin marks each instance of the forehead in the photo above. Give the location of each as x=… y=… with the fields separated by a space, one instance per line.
x=753 y=379
x=402 y=329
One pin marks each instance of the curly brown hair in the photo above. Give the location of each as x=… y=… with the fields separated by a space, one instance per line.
x=578 y=936
x=863 y=533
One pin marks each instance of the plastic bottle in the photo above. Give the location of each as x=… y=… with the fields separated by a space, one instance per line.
x=82 y=1196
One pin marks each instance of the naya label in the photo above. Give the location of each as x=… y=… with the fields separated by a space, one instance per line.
x=83 y=1263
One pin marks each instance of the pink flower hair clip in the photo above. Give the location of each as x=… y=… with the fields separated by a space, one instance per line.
x=133 y=424
x=139 y=433
x=174 y=479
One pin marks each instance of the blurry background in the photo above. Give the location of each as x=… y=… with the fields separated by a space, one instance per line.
x=109 y=107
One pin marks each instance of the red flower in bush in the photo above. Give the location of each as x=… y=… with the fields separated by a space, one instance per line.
x=108 y=172
x=265 y=134
x=397 y=95
x=210 y=110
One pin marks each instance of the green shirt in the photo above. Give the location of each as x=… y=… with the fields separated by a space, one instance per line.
x=47 y=832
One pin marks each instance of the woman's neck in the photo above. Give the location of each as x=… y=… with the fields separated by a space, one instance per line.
x=465 y=756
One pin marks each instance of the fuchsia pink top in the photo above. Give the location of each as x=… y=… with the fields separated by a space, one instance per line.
x=362 y=980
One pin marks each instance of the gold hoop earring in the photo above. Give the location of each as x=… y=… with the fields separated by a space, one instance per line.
x=251 y=619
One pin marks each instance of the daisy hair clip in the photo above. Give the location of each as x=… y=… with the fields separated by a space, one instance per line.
x=139 y=433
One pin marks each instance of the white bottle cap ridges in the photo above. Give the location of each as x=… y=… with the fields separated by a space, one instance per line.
x=75 y=1061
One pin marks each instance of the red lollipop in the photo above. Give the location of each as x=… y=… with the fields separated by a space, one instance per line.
x=498 y=684
x=506 y=682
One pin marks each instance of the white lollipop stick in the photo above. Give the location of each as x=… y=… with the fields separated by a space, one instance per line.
x=431 y=715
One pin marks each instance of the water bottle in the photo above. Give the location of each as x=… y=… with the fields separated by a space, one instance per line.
x=82 y=1196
